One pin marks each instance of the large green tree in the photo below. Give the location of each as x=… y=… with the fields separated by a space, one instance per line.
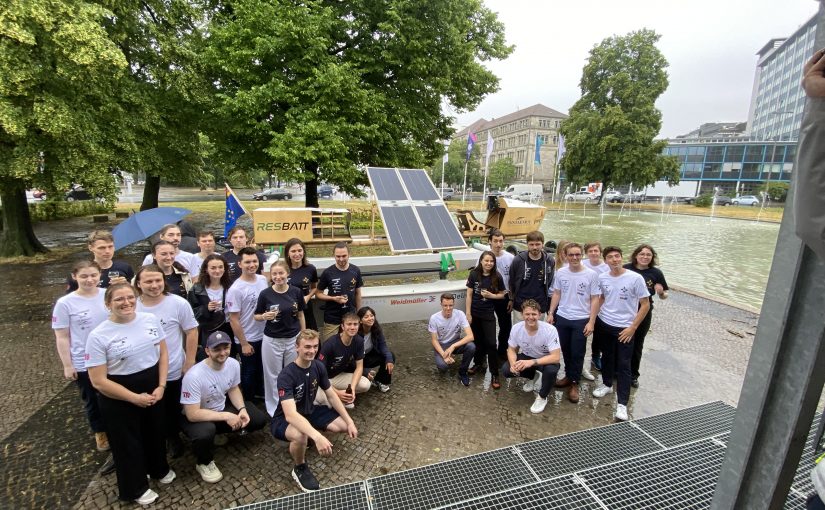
x=311 y=91
x=502 y=173
x=610 y=135
x=60 y=113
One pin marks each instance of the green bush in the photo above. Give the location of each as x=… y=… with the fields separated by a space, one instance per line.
x=55 y=210
x=703 y=201
x=777 y=191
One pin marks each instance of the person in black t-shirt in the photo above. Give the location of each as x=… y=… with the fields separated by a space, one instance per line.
x=297 y=419
x=303 y=275
x=643 y=261
x=343 y=284
x=343 y=356
x=102 y=245
x=484 y=286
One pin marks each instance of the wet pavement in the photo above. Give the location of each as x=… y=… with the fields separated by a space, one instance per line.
x=697 y=351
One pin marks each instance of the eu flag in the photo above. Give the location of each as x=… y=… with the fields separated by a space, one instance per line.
x=234 y=210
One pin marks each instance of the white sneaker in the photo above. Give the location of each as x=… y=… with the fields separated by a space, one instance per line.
x=538 y=405
x=602 y=390
x=383 y=388
x=169 y=478
x=220 y=440
x=148 y=497
x=621 y=412
x=587 y=375
x=209 y=472
x=528 y=386
x=349 y=406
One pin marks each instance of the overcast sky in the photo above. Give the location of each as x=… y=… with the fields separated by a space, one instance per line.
x=710 y=45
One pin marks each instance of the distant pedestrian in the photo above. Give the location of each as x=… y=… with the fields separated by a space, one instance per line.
x=450 y=334
x=484 y=287
x=376 y=352
x=643 y=260
x=303 y=275
x=102 y=245
x=342 y=283
x=127 y=363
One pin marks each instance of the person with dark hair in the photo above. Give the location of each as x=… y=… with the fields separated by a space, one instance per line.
x=342 y=283
x=503 y=307
x=188 y=262
x=573 y=310
x=281 y=308
x=303 y=275
x=239 y=240
x=343 y=356
x=594 y=261
x=206 y=247
x=533 y=353
x=531 y=275
x=484 y=285
x=298 y=419
x=376 y=352
x=177 y=277
x=643 y=260
x=208 y=300
x=127 y=363
x=75 y=315
x=213 y=404
x=623 y=306
x=446 y=328
x=102 y=245
x=241 y=300
x=180 y=329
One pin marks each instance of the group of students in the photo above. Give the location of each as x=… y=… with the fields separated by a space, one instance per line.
x=168 y=350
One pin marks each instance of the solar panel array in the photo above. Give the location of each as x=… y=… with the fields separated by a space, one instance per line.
x=666 y=461
x=415 y=218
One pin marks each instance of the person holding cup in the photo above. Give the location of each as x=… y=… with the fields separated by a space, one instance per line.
x=208 y=298
x=282 y=306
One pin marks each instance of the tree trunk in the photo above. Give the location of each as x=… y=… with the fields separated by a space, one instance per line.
x=18 y=236
x=151 y=189
x=311 y=184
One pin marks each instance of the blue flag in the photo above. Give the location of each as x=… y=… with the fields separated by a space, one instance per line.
x=471 y=141
x=538 y=149
x=234 y=210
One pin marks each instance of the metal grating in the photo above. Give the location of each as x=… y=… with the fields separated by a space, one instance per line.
x=350 y=496
x=795 y=502
x=802 y=480
x=686 y=425
x=558 y=455
x=449 y=482
x=679 y=478
x=563 y=493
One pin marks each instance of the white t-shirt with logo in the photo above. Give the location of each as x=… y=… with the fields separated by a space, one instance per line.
x=503 y=263
x=81 y=315
x=540 y=344
x=125 y=348
x=206 y=386
x=243 y=297
x=575 y=290
x=601 y=268
x=621 y=297
x=176 y=317
x=448 y=330
x=190 y=261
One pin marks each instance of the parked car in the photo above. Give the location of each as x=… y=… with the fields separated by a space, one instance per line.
x=612 y=196
x=39 y=193
x=77 y=193
x=272 y=194
x=633 y=198
x=750 y=200
x=325 y=191
x=446 y=193
x=581 y=196
x=723 y=200
x=527 y=196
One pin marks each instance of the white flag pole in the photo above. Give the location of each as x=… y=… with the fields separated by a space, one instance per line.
x=487 y=168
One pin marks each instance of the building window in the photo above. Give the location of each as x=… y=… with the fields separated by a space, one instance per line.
x=734 y=154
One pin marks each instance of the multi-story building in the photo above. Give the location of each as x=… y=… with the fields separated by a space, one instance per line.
x=514 y=137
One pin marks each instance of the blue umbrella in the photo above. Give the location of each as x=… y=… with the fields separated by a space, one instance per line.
x=141 y=225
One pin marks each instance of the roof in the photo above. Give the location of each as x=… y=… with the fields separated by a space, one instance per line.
x=537 y=110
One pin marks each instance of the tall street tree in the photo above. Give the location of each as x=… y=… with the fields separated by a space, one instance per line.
x=312 y=91
x=610 y=135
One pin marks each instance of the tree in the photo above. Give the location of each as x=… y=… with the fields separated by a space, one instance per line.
x=502 y=173
x=59 y=119
x=315 y=90
x=776 y=191
x=610 y=132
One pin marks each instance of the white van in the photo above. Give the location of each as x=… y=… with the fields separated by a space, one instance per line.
x=524 y=191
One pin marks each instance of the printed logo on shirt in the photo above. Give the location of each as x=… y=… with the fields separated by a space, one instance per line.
x=582 y=287
x=152 y=331
x=87 y=357
x=321 y=356
x=281 y=392
x=186 y=394
x=54 y=318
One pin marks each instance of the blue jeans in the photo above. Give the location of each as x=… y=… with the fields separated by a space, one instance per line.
x=466 y=351
x=615 y=359
x=573 y=345
x=252 y=372
x=548 y=374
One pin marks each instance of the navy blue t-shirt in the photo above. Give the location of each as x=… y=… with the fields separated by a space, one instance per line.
x=533 y=286
x=119 y=268
x=289 y=304
x=338 y=357
x=303 y=277
x=481 y=306
x=339 y=283
x=301 y=385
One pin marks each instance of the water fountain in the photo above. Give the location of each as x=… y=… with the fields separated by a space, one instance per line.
x=713 y=204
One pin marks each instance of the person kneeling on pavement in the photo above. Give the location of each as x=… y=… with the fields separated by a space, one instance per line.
x=343 y=357
x=533 y=353
x=207 y=412
x=297 y=419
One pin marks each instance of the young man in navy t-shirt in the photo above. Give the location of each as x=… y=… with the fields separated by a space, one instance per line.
x=342 y=283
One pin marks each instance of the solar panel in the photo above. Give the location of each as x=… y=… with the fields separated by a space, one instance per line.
x=558 y=455
x=415 y=218
x=563 y=493
x=678 y=478
x=686 y=425
x=449 y=482
x=350 y=496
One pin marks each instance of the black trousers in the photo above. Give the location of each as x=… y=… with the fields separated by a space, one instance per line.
x=88 y=394
x=136 y=435
x=505 y=325
x=202 y=433
x=615 y=359
x=484 y=336
x=376 y=359
x=172 y=408
x=639 y=343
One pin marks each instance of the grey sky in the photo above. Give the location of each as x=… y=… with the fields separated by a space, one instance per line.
x=711 y=46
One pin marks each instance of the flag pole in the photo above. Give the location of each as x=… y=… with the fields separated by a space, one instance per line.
x=443 y=162
x=464 y=188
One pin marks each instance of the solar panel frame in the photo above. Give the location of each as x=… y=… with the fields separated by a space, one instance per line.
x=419 y=186
x=350 y=496
x=386 y=184
x=399 y=219
x=439 y=226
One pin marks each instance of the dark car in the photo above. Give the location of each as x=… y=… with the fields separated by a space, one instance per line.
x=77 y=193
x=272 y=194
x=633 y=198
x=723 y=200
x=324 y=191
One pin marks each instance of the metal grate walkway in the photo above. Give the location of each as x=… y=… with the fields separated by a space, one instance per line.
x=670 y=460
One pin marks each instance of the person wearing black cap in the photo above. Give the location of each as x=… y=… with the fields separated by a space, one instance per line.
x=207 y=412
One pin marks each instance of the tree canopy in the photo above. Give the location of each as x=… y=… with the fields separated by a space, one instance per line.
x=610 y=134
